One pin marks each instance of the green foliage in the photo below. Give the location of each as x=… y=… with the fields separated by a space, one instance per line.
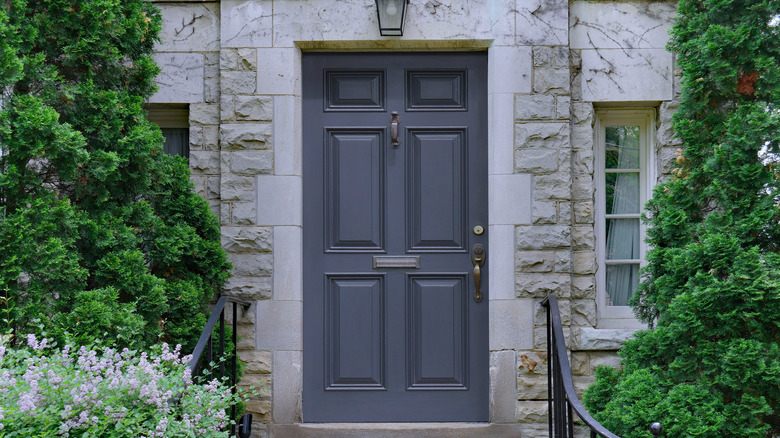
x=102 y=235
x=711 y=366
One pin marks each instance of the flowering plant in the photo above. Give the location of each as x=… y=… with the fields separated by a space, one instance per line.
x=48 y=391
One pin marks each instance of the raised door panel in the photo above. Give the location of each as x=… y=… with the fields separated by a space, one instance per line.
x=354 y=332
x=437 y=341
x=437 y=178
x=354 y=190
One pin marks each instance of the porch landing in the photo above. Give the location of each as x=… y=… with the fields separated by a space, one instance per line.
x=403 y=430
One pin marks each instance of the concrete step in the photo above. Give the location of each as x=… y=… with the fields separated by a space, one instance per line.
x=404 y=430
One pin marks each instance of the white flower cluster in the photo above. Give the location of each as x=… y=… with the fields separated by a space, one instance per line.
x=107 y=393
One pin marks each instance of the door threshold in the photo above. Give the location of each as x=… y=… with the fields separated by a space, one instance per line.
x=400 y=430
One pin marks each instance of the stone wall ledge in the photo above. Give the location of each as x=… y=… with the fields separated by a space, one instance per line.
x=593 y=339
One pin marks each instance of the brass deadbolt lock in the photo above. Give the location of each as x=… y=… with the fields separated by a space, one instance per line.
x=478 y=230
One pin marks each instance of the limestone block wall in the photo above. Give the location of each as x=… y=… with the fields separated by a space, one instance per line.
x=237 y=64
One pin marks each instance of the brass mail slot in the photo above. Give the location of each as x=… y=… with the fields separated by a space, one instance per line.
x=409 y=262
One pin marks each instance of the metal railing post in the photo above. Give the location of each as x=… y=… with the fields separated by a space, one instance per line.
x=562 y=401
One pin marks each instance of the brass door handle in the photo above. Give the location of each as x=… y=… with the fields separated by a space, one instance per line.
x=478 y=260
x=395 y=120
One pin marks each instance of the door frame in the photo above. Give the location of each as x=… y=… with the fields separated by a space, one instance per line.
x=504 y=215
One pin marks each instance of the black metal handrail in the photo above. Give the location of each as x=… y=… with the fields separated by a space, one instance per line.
x=562 y=398
x=205 y=344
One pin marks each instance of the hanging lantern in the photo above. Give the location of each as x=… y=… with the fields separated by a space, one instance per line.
x=391 y=15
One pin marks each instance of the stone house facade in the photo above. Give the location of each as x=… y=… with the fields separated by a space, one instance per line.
x=563 y=78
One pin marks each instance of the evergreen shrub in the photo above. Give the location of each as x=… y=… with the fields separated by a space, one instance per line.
x=101 y=234
x=710 y=367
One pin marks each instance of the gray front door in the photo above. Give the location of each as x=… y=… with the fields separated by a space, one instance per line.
x=392 y=329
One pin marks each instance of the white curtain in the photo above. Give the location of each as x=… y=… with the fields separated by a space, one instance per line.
x=623 y=234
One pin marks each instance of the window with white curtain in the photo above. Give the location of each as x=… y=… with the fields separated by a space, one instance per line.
x=625 y=163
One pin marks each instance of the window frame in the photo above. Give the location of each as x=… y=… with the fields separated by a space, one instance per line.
x=644 y=118
x=171 y=116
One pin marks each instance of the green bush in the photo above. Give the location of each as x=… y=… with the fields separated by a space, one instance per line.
x=102 y=235
x=76 y=391
x=711 y=365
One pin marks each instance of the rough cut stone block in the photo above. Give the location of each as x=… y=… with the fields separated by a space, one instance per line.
x=542 y=135
x=542 y=22
x=535 y=261
x=243 y=213
x=553 y=186
x=254 y=108
x=542 y=237
x=583 y=238
x=247 y=59
x=583 y=287
x=583 y=161
x=246 y=136
x=538 y=160
x=583 y=212
x=625 y=75
x=228 y=59
x=260 y=382
x=602 y=339
x=227 y=107
x=251 y=162
x=605 y=25
x=534 y=106
x=237 y=188
x=260 y=409
x=532 y=412
x=532 y=363
x=535 y=285
x=540 y=337
x=205 y=161
x=583 y=312
x=530 y=387
x=204 y=113
x=252 y=265
x=582 y=187
x=246 y=23
x=584 y=262
x=249 y=288
x=180 y=79
x=211 y=138
x=563 y=262
x=543 y=56
x=238 y=82
x=552 y=80
x=247 y=239
x=579 y=363
x=192 y=27
x=257 y=361
x=665 y=135
x=597 y=358
x=564 y=212
x=545 y=212
x=562 y=107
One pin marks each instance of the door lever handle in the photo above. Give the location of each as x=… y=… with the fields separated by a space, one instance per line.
x=395 y=120
x=478 y=260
